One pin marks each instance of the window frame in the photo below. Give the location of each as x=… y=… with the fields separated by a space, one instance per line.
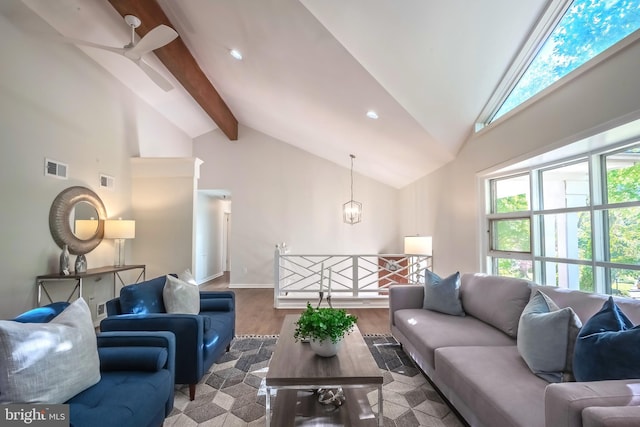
x=542 y=30
x=598 y=207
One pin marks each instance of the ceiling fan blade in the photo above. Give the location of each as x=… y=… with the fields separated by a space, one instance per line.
x=154 y=39
x=91 y=44
x=155 y=76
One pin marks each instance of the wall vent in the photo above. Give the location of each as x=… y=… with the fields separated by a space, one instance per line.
x=101 y=310
x=107 y=182
x=56 y=169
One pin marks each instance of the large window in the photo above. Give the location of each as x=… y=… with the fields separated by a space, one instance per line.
x=587 y=28
x=573 y=224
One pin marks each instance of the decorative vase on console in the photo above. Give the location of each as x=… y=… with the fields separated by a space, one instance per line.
x=81 y=264
x=64 y=261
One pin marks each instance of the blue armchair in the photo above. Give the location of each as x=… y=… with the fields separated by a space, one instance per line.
x=136 y=386
x=200 y=338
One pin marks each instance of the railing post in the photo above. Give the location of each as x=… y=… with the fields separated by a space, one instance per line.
x=276 y=276
x=354 y=276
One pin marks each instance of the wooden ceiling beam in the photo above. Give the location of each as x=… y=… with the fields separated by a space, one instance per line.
x=179 y=61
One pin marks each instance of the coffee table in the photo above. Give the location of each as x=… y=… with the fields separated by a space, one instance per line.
x=295 y=370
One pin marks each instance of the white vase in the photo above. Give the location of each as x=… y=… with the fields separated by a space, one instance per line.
x=326 y=348
x=64 y=260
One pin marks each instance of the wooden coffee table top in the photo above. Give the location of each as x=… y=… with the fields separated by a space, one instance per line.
x=295 y=364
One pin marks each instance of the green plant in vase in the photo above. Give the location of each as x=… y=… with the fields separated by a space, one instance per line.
x=319 y=324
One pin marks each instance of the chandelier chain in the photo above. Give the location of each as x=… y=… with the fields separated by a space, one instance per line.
x=352 y=157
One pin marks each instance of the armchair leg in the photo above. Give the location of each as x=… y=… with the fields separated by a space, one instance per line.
x=228 y=347
x=192 y=391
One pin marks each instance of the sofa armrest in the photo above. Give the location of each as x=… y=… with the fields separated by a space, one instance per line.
x=404 y=296
x=147 y=359
x=159 y=339
x=564 y=402
x=217 y=301
x=611 y=416
x=113 y=307
x=187 y=328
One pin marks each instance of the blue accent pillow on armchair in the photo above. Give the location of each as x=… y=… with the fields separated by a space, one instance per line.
x=144 y=297
x=608 y=346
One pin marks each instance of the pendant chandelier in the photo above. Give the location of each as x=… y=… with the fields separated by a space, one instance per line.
x=352 y=210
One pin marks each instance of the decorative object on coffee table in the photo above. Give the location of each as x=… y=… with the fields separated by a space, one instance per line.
x=331 y=396
x=325 y=328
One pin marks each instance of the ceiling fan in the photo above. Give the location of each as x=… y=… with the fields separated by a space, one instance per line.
x=154 y=39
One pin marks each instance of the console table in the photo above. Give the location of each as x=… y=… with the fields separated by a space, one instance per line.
x=42 y=281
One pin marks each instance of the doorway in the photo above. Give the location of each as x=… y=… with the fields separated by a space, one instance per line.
x=212 y=257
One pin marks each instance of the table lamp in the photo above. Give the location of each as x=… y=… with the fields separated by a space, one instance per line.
x=120 y=230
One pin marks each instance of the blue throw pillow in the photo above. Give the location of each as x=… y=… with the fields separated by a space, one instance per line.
x=608 y=347
x=42 y=314
x=144 y=297
x=442 y=295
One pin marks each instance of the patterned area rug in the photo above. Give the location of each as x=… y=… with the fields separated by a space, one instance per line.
x=233 y=393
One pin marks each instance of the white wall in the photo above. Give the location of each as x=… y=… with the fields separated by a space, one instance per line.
x=283 y=194
x=164 y=206
x=446 y=203
x=57 y=103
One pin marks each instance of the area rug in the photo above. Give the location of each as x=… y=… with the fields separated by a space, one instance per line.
x=232 y=394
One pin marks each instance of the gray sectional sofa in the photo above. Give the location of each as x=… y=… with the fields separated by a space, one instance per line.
x=474 y=360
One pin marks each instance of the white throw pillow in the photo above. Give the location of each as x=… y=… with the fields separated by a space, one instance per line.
x=180 y=297
x=186 y=276
x=49 y=362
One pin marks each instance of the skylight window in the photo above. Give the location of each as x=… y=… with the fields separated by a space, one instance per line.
x=587 y=28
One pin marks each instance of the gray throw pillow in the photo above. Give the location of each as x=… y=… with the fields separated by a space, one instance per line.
x=49 y=362
x=546 y=338
x=180 y=297
x=442 y=295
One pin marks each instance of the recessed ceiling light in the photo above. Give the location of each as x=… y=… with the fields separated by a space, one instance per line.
x=372 y=114
x=236 y=54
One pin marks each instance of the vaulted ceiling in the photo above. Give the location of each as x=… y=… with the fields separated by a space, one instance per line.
x=311 y=69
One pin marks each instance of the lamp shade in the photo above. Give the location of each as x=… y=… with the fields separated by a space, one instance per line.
x=119 y=229
x=418 y=245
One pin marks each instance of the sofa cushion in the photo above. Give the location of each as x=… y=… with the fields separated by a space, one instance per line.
x=586 y=304
x=496 y=300
x=428 y=330
x=546 y=338
x=441 y=295
x=494 y=383
x=103 y=406
x=48 y=362
x=608 y=346
x=143 y=297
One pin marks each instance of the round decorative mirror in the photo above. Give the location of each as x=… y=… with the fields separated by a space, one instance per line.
x=76 y=219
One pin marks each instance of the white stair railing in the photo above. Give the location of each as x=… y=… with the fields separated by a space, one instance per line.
x=353 y=277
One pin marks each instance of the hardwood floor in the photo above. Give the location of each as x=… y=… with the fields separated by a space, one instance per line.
x=255 y=314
